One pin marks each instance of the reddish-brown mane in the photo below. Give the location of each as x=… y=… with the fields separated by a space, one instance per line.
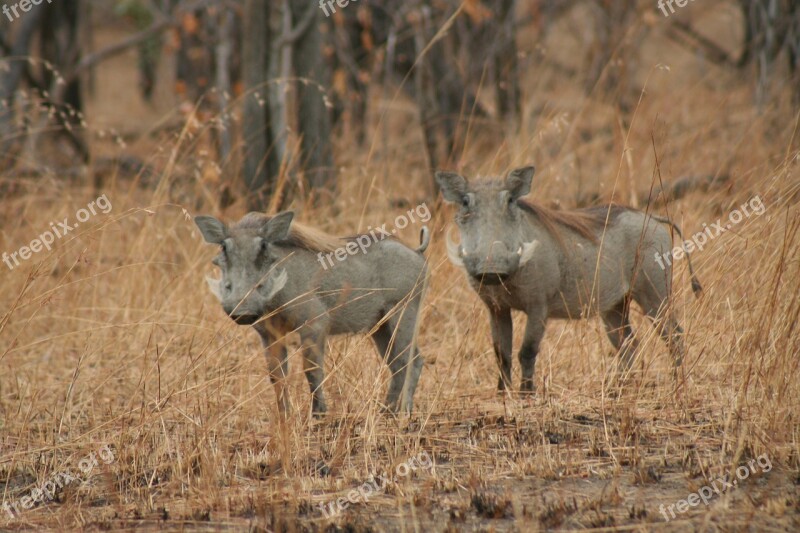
x=585 y=222
x=300 y=235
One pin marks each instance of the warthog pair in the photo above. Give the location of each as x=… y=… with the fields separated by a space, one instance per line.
x=517 y=255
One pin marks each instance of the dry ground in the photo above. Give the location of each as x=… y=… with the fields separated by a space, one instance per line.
x=112 y=339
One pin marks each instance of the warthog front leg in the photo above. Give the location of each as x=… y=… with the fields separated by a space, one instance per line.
x=272 y=333
x=534 y=330
x=502 y=331
x=313 y=346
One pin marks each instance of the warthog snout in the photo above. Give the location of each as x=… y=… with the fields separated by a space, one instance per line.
x=244 y=320
x=494 y=267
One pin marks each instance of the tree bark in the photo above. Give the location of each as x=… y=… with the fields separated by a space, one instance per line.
x=260 y=163
x=314 y=121
x=10 y=78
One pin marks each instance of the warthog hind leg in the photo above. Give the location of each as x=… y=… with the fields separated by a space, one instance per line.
x=620 y=333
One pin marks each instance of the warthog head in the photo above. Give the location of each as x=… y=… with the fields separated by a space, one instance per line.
x=492 y=246
x=249 y=260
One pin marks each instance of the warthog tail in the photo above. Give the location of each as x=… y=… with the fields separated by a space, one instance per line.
x=424 y=239
x=696 y=287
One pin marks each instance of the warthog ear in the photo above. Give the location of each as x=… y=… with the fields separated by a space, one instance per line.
x=518 y=181
x=277 y=229
x=454 y=186
x=213 y=230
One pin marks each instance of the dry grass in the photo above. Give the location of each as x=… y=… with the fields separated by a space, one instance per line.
x=112 y=338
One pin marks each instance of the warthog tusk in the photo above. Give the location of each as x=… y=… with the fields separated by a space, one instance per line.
x=275 y=284
x=525 y=252
x=455 y=252
x=214 y=285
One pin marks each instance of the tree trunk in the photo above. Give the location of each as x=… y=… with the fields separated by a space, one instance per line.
x=10 y=78
x=509 y=105
x=314 y=122
x=260 y=163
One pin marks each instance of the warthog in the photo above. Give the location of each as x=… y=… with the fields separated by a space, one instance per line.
x=272 y=280
x=559 y=264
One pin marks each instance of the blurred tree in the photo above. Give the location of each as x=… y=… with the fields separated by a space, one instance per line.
x=261 y=165
x=16 y=47
x=55 y=30
x=149 y=50
x=772 y=27
x=440 y=53
x=314 y=122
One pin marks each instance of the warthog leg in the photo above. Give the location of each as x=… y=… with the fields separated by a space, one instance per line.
x=672 y=334
x=272 y=333
x=313 y=345
x=620 y=333
x=502 y=331
x=534 y=330
x=385 y=345
x=656 y=306
x=395 y=342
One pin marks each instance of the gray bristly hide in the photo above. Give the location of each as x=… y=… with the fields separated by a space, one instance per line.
x=559 y=264
x=276 y=279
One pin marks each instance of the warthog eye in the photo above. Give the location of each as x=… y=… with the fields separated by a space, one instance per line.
x=263 y=248
x=465 y=200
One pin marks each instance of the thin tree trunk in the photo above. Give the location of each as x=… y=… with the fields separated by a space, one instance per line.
x=11 y=76
x=314 y=123
x=224 y=51
x=260 y=163
x=505 y=61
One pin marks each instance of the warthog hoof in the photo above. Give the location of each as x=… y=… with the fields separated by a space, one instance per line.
x=527 y=385
x=503 y=384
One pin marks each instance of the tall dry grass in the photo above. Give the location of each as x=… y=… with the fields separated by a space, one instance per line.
x=112 y=338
